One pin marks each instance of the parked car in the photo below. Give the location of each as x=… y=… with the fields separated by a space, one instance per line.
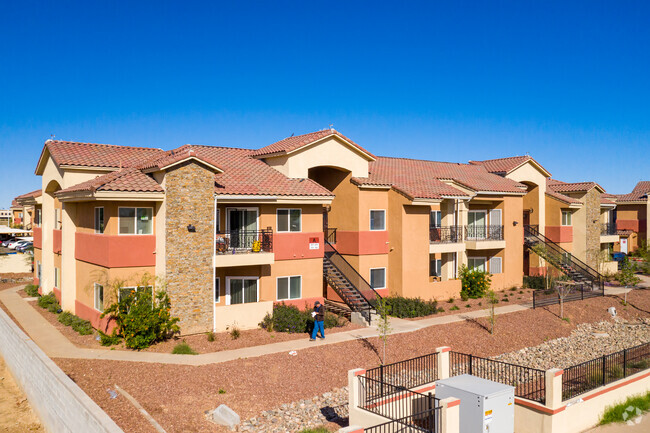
x=24 y=246
x=618 y=257
x=13 y=244
x=6 y=242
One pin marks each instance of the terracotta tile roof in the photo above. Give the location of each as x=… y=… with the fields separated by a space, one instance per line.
x=14 y=203
x=170 y=157
x=124 y=180
x=574 y=187
x=605 y=200
x=640 y=192
x=504 y=166
x=290 y=144
x=36 y=193
x=424 y=179
x=98 y=155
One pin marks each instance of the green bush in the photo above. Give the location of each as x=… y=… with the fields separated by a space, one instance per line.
x=535 y=282
x=615 y=413
x=66 y=318
x=289 y=318
x=402 y=307
x=142 y=320
x=109 y=340
x=31 y=290
x=183 y=349
x=49 y=303
x=474 y=283
x=80 y=325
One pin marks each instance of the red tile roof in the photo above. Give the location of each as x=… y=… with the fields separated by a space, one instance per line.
x=290 y=144
x=36 y=193
x=506 y=165
x=98 y=155
x=173 y=156
x=124 y=180
x=574 y=187
x=424 y=179
x=640 y=192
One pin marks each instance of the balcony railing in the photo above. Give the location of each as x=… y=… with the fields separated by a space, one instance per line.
x=330 y=235
x=441 y=235
x=244 y=241
x=484 y=233
x=608 y=229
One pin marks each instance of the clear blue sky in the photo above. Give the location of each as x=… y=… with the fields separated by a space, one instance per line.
x=567 y=82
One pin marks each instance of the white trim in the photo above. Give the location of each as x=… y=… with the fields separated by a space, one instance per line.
x=485 y=262
x=103 y=219
x=288 y=298
x=257 y=286
x=277 y=220
x=370 y=211
x=562 y=218
x=135 y=220
x=57 y=277
x=370 y=277
x=262 y=199
x=95 y=285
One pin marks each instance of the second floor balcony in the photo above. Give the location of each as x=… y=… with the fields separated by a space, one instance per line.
x=244 y=247
x=608 y=233
x=484 y=237
x=445 y=235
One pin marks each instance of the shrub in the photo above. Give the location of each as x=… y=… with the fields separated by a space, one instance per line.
x=289 y=318
x=534 y=282
x=31 y=290
x=183 y=349
x=454 y=308
x=49 y=303
x=210 y=336
x=235 y=333
x=142 y=320
x=108 y=340
x=450 y=301
x=474 y=283
x=626 y=277
x=410 y=307
x=82 y=326
x=66 y=318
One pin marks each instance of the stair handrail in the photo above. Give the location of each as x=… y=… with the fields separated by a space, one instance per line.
x=327 y=244
x=580 y=264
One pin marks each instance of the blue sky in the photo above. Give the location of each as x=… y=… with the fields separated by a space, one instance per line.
x=450 y=81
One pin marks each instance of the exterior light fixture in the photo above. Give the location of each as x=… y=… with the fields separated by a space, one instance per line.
x=191 y=228
x=514 y=223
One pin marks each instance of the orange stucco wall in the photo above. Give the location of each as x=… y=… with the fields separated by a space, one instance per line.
x=116 y=251
x=38 y=237
x=560 y=234
x=85 y=215
x=56 y=235
x=290 y=246
x=362 y=242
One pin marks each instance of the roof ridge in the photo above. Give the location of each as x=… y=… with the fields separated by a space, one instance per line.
x=101 y=144
x=427 y=160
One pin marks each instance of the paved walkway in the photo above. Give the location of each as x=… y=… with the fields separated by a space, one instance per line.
x=56 y=345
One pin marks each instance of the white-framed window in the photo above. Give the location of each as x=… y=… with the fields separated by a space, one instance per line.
x=476 y=264
x=495 y=217
x=57 y=219
x=99 y=297
x=217 y=290
x=378 y=278
x=38 y=217
x=289 y=220
x=38 y=271
x=241 y=290
x=435 y=267
x=289 y=287
x=566 y=218
x=135 y=220
x=377 y=219
x=435 y=219
x=57 y=278
x=124 y=291
x=99 y=220
x=495 y=265
x=477 y=224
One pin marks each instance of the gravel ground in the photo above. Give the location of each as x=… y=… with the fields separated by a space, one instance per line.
x=178 y=396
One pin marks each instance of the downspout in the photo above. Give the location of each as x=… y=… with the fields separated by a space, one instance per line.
x=214 y=271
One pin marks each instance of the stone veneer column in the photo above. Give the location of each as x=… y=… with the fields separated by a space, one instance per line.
x=592 y=235
x=189 y=199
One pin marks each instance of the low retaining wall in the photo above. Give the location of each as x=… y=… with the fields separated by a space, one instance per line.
x=60 y=404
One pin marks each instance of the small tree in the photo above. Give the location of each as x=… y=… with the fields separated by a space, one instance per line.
x=383 y=327
x=491 y=299
x=627 y=277
x=563 y=289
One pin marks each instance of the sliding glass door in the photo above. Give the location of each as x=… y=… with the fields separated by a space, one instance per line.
x=242 y=227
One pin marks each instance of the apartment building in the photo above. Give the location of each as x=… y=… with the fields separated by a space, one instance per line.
x=631 y=217
x=24 y=208
x=230 y=232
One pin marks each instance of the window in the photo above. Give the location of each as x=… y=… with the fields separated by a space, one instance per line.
x=476 y=263
x=38 y=217
x=495 y=217
x=57 y=278
x=38 y=271
x=495 y=265
x=289 y=287
x=378 y=278
x=57 y=219
x=377 y=220
x=217 y=290
x=99 y=297
x=136 y=221
x=566 y=218
x=218 y=221
x=476 y=224
x=289 y=220
x=99 y=220
x=435 y=219
x=435 y=267
x=241 y=290
x=125 y=291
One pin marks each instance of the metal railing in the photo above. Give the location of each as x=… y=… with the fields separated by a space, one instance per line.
x=448 y=234
x=423 y=422
x=345 y=268
x=598 y=372
x=410 y=373
x=244 y=241
x=484 y=233
x=330 y=235
x=608 y=229
x=529 y=383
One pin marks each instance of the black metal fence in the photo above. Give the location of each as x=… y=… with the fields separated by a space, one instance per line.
x=579 y=292
x=243 y=241
x=423 y=422
x=608 y=229
x=445 y=234
x=484 y=233
x=410 y=373
x=589 y=375
x=529 y=383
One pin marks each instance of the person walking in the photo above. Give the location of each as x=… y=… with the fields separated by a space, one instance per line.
x=319 y=321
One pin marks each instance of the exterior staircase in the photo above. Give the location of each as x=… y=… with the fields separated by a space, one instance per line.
x=352 y=288
x=589 y=282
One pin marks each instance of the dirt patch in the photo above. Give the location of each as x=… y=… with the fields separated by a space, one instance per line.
x=177 y=396
x=17 y=414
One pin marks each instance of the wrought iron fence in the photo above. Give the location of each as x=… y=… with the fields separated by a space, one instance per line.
x=484 y=233
x=423 y=422
x=608 y=229
x=409 y=373
x=445 y=234
x=243 y=241
x=592 y=374
x=579 y=292
x=529 y=383
x=330 y=235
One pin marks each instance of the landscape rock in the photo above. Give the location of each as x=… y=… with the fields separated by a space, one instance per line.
x=223 y=415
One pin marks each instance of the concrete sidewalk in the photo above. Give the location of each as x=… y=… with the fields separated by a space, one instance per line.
x=56 y=345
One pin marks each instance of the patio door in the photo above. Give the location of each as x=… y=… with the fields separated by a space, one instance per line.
x=476 y=224
x=242 y=227
x=624 y=245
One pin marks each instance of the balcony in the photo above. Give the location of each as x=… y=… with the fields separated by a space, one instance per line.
x=446 y=239
x=244 y=248
x=608 y=233
x=484 y=237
